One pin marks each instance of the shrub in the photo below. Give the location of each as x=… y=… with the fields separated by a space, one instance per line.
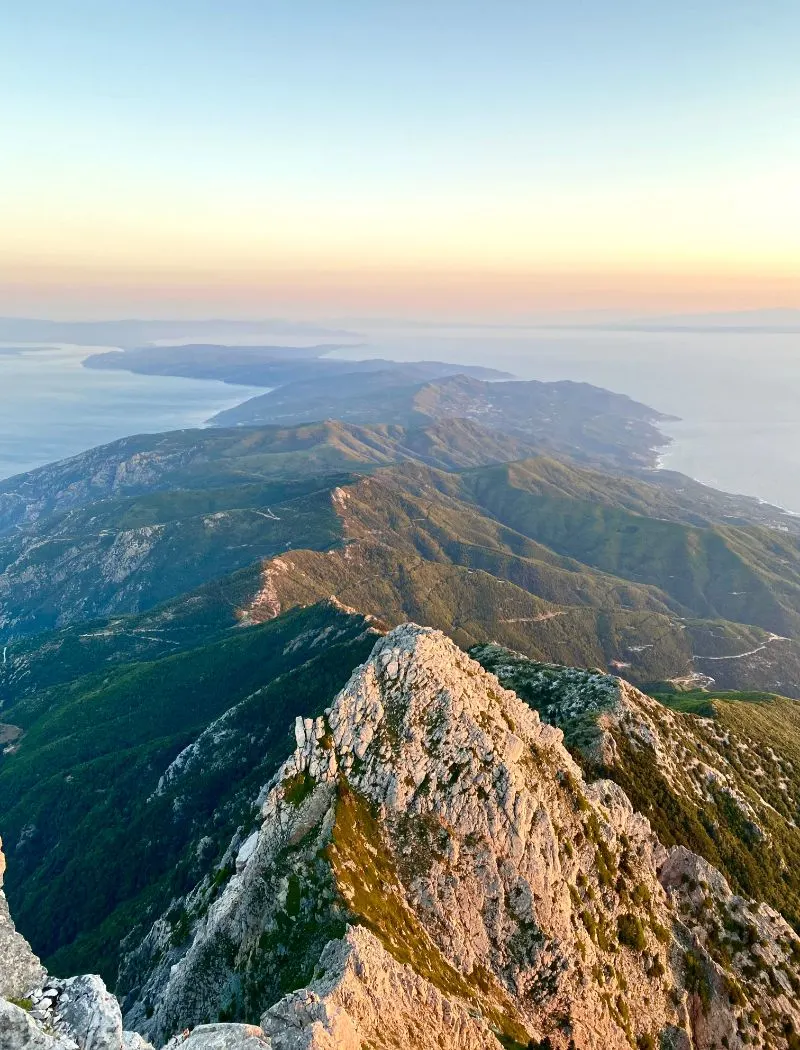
x=630 y=932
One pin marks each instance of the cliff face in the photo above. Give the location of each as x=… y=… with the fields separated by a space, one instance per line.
x=20 y=970
x=430 y=868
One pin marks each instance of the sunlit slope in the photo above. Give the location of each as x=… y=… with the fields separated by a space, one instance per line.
x=718 y=773
x=418 y=545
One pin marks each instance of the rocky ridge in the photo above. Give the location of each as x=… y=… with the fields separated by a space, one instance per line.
x=432 y=837
x=732 y=798
x=430 y=869
x=598 y=711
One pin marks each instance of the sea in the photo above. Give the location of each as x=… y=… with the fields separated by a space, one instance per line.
x=52 y=407
x=736 y=394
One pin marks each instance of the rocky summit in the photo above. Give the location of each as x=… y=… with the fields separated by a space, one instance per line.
x=431 y=869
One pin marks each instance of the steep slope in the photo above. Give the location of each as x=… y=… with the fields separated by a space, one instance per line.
x=125 y=556
x=726 y=785
x=747 y=574
x=141 y=774
x=33 y=664
x=83 y=545
x=654 y=494
x=429 y=816
x=20 y=970
x=418 y=546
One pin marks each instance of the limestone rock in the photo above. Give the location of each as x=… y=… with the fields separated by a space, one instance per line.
x=19 y=1031
x=88 y=1011
x=221 y=1037
x=744 y=958
x=433 y=806
x=431 y=869
x=20 y=970
x=347 y=1007
x=134 y=1041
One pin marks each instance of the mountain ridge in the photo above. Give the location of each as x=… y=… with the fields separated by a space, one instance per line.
x=431 y=859
x=173 y=603
x=576 y=418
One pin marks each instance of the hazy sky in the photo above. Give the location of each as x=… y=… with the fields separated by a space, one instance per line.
x=442 y=157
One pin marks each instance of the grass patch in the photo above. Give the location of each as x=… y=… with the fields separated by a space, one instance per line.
x=366 y=875
x=297 y=788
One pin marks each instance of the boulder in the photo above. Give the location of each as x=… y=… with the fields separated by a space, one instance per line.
x=19 y=1031
x=90 y=1013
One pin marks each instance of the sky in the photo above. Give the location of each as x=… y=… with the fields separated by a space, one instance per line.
x=327 y=158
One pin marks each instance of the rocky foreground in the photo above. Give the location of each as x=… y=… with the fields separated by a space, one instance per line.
x=429 y=869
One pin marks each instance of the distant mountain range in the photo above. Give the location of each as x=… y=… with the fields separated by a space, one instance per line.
x=272 y=366
x=134 y=332
x=137 y=332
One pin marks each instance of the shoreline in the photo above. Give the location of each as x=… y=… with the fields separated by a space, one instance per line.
x=661 y=452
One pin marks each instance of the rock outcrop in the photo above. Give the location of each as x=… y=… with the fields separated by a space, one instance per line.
x=346 y=1008
x=740 y=953
x=430 y=868
x=20 y=970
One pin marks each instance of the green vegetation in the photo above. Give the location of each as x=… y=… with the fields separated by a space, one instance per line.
x=23 y=1004
x=571 y=418
x=701 y=701
x=297 y=788
x=630 y=932
x=453 y=565
x=696 y=978
x=709 y=570
x=561 y=562
x=82 y=795
x=147 y=555
x=715 y=830
x=128 y=555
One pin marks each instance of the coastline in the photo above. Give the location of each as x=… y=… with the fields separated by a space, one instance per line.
x=662 y=452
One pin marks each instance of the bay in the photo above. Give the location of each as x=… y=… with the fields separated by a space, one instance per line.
x=52 y=407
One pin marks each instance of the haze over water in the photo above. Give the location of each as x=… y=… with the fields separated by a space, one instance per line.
x=52 y=407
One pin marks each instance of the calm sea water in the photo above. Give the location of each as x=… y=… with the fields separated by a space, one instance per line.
x=737 y=394
x=51 y=407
